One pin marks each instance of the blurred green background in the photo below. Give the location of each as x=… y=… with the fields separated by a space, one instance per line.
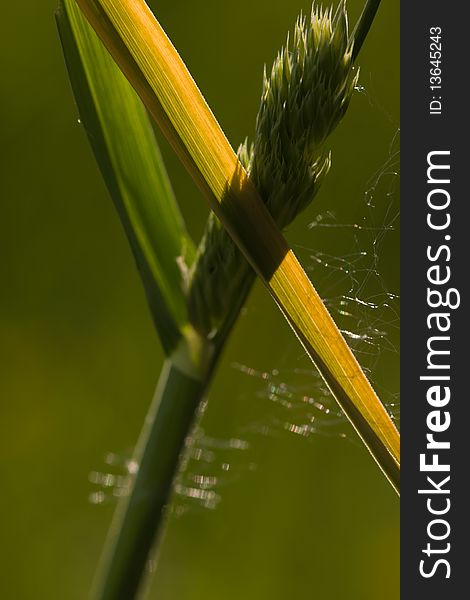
x=293 y=516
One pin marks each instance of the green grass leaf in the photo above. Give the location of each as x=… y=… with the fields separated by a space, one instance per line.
x=125 y=148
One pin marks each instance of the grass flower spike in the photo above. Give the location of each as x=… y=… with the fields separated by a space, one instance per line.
x=304 y=98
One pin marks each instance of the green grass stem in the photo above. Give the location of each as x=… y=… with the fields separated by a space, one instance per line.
x=153 y=467
x=364 y=24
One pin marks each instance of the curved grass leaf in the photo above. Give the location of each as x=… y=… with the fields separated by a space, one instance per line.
x=125 y=148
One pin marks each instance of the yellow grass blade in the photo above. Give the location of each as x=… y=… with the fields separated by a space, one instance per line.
x=146 y=56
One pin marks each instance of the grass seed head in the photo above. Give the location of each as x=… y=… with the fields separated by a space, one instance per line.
x=303 y=99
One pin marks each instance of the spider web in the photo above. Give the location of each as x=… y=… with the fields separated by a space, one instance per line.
x=294 y=400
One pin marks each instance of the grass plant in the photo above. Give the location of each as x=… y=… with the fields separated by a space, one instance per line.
x=195 y=295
